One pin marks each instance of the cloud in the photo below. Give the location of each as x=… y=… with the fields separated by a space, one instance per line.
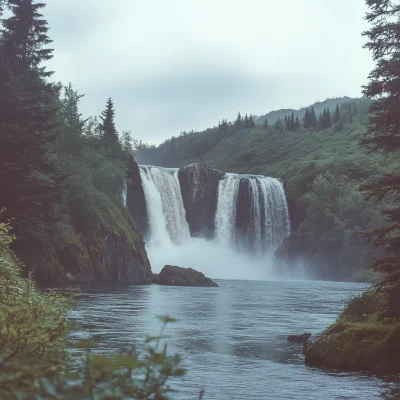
x=182 y=65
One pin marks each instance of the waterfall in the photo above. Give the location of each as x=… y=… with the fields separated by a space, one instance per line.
x=252 y=212
x=166 y=213
x=124 y=195
x=226 y=209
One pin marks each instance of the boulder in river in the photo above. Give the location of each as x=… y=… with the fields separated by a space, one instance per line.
x=299 y=339
x=172 y=275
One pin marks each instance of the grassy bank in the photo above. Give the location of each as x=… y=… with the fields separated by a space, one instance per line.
x=360 y=340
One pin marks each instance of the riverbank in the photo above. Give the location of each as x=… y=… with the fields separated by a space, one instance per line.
x=360 y=340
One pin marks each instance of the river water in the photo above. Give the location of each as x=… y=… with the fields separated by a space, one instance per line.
x=233 y=338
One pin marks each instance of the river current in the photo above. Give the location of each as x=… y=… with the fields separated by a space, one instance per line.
x=233 y=339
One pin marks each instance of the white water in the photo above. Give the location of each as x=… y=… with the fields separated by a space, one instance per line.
x=226 y=209
x=166 y=214
x=169 y=240
x=268 y=204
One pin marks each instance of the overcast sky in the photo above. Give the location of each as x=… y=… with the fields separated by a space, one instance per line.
x=179 y=65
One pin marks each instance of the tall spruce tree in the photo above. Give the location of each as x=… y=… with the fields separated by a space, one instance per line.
x=383 y=134
x=251 y=122
x=107 y=124
x=313 y=119
x=266 y=124
x=296 y=123
x=336 y=115
x=31 y=183
x=246 y=121
x=307 y=119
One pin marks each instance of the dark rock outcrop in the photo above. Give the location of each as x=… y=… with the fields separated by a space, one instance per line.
x=324 y=256
x=135 y=200
x=299 y=339
x=171 y=275
x=199 y=187
x=104 y=256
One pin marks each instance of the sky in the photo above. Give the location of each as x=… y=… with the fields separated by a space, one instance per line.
x=177 y=65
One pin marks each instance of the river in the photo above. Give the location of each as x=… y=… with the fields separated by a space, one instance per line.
x=233 y=338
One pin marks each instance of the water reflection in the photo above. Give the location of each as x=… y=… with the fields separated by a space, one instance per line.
x=232 y=338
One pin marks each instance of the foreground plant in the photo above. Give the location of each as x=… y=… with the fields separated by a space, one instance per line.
x=35 y=363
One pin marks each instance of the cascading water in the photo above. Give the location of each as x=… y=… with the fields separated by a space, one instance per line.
x=252 y=212
x=166 y=213
x=251 y=216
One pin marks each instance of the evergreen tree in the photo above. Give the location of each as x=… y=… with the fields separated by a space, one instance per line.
x=266 y=124
x=239 y=122
x=307 y=119
x=296 y=123
x=107 y=124
x=383 y=134
x=24 y=37
x=292 y=122
x=246 y=121
x=336 y=115
x=286 y=123
x=313 y=119
x=251 y=122
x=30 y=180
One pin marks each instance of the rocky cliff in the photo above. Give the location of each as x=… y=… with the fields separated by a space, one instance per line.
x=135 y=200
x=100 y=254
x=199 y=187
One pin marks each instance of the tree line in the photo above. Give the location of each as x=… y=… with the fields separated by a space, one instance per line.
x=51 y=158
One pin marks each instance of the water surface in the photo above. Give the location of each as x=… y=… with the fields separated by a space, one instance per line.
x=232 y=338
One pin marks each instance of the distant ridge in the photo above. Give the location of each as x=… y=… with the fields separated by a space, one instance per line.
x=273 y=116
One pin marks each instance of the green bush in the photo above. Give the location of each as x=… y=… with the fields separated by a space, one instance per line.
x=34 y=359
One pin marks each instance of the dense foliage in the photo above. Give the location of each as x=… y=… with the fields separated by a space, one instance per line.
x=62 y=177
x=383 y=135
x=34 y=362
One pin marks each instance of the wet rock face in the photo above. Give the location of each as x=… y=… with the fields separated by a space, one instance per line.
x=135 y=200
x=171 y=275
x=199 y=187
x=103 y=257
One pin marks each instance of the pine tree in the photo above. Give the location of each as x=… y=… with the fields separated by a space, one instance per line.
x=307 y=119
x=383 y=134
x=246 y=121
x=292 y=122
x=239 y=122
x=336 y=115
x=296 y=123
x=251 y=122
x=107 y=124
x=266 y=124
x=30 y=180
x=286 y=123
x=313 y=119
x=24 y=37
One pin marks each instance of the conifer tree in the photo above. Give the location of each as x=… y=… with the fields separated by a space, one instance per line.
x=30 y=180
x=296 y=123
x=239 y=122
x=313 y=119
x=246 y=121
x=251 y=122
x=107 y=124
x=383 y=134
x=266 y=124
x=336 y=115
x=307 y=119
x=292 y=122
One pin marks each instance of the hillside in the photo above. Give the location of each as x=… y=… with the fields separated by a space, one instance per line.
x=331 y=104
x=324 y=212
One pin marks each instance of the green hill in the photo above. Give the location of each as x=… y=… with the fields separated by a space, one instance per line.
x=298 y=157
